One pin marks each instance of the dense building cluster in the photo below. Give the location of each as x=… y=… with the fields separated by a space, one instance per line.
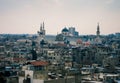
x=66 y=54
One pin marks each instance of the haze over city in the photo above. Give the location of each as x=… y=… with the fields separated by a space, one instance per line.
x=25 y=16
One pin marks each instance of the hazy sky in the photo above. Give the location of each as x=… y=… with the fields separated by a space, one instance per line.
x=25 y=16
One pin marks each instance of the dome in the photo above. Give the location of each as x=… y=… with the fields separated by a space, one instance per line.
x=87 y=43
x=79 y=41
x=65 y=30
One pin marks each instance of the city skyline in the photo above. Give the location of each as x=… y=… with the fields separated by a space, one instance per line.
x=25 y=16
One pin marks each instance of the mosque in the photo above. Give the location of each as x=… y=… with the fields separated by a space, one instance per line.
x=67 y=35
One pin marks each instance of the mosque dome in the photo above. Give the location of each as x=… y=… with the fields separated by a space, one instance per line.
x=79 y=41
x=65 y=30
x=87 y=43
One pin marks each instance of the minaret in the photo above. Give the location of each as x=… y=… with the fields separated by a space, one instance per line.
x=41 y=33
x=98 y=39
x=98 y=30
x=41 y=27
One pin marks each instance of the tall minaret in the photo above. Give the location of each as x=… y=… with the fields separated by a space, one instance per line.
x=98 y=39
x=98 y=30
x=43 y=29
x=43 y=25
x=40 y=27
x=41 y=33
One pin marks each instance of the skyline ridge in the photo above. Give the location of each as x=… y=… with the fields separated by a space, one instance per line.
x=25 y=15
